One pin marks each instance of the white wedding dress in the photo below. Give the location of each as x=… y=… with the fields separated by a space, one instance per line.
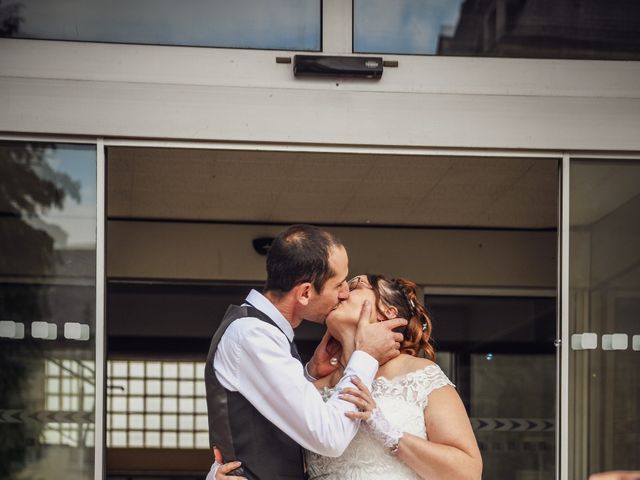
x=402 y=401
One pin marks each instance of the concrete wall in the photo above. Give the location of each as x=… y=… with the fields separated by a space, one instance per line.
x=437 y=257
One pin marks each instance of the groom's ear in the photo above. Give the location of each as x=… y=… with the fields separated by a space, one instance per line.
x=303 y=293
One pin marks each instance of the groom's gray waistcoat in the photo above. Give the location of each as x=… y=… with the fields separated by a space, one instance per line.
x=237 y=428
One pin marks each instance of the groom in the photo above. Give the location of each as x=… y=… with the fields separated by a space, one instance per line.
x=262 y=407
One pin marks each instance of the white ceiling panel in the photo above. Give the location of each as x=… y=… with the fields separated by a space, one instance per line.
x=600 y=187
x=285 y=187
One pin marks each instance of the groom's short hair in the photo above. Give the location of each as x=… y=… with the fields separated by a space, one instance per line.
x=300 y=254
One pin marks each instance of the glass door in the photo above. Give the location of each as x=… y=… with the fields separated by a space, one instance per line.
x=603 y=317
x=499 y=351
x=50 y=380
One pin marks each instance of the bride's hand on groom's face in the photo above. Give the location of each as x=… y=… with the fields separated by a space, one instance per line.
x=321 y=363
x=378 y=339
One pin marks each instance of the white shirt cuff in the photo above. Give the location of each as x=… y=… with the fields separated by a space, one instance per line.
x=363 y=365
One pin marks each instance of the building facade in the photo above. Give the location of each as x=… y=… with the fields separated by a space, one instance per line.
x=145 y=149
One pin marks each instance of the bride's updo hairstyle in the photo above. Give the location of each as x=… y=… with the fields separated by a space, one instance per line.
x=401 y=294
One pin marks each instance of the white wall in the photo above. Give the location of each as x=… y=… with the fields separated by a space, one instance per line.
x=453 y=258
x=238 y=95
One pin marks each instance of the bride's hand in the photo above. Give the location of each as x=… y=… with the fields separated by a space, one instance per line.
x=224 y=468
x=373 y=420
x=327 y=350
x=221 y=473
x=361 y=398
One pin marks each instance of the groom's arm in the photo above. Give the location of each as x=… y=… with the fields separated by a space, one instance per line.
x=254 y=359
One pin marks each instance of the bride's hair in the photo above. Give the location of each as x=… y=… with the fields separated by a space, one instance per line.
x=401 y=294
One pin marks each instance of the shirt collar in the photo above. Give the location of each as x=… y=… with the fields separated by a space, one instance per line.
x=263 y=304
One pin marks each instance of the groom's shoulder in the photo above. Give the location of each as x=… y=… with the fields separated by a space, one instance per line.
x=245 y=324
x=249 y=328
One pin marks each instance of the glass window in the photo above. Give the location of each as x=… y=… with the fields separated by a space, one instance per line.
x=158 y=413
x=47 y=309
x=588 y=29
x=403 y=26
x=604 y=303
x=500 y=353
x=266 y=24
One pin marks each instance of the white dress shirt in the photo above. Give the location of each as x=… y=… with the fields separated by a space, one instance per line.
x=254 y=359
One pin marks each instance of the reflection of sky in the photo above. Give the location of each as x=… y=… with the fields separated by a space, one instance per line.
x=283 y=24
x=403 y=26
x=77 y=219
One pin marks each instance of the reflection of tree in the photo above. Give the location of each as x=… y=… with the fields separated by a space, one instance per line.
x=28 y=186
x=10 y=19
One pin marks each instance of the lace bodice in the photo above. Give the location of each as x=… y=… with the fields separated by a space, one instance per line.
x=402 y=400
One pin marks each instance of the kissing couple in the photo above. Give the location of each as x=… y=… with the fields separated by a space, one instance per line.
x=370 y=404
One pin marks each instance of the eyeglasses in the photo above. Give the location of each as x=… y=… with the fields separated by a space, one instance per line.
x=355 y=282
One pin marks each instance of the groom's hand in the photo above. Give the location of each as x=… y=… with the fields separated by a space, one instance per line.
x=320 y=364
x=378 y=339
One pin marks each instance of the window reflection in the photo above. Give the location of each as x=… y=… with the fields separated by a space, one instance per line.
x=586 y=29
x=47 y=309
x=69 y=395
x=406 y=26
x=604 y=298
x=267 y=24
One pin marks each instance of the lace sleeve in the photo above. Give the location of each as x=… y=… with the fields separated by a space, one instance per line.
x=428 y=380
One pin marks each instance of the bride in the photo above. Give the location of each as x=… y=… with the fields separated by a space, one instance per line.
x=414 y=424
